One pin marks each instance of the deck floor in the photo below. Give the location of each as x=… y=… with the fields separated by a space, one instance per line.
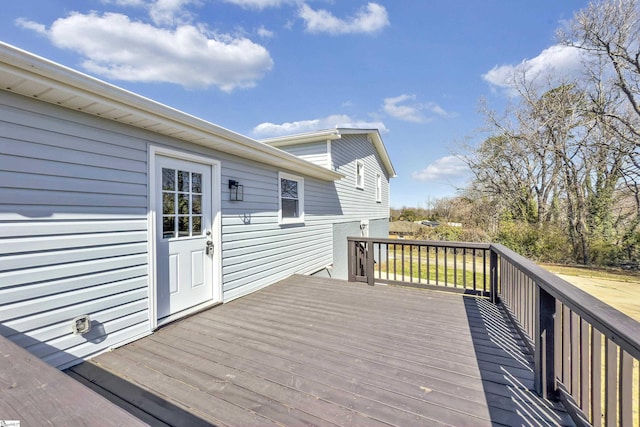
x=316 y=351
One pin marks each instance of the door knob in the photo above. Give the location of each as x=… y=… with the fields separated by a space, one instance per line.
x=209 y=247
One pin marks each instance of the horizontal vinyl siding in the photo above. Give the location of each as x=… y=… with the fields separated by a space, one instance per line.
x=314 y=152
x=73 y=230
x=256 y=249
x=357 y=203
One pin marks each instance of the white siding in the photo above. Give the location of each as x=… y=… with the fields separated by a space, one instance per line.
x=73 y=230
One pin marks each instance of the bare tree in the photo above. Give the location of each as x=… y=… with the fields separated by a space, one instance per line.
x=609 y=31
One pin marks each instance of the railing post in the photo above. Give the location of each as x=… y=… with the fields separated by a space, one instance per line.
x=351 y=261
x=544 y=345
x=493 y=271
x=370 y=266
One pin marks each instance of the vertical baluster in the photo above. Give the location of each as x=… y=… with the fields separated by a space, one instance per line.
x=473 y=254
x=527 y=307
x=464 y=268
x=484 y=270
x=402 y=275
x=575 y=356
x=437 y=264
x=626 y=389
x=566 y=347
x=387 y=264
x=419 y=263
x=446 y=266
x=411 y=263
x=611 y=383
x=395 y=258
x=585 y=402
x=596 y=378
x=428 y=264
x=455 y=267
x=557 y=334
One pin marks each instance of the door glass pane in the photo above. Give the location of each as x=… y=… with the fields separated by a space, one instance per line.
x=183 y=181
x=183 y=204
x=168 y=179
x=168 y=204
x=183 y=226
x=196 y=222
x=196 y=204
x=168 y=227
x=196 y=183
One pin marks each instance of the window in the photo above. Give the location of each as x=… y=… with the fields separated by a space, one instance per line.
x=359 y=174
x=291 y=191
x=378 y=188
x=181 y=203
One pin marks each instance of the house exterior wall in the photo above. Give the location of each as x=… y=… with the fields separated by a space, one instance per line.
x=74 y=228
x=356 y=204
x=314 y=152
x=359 y=203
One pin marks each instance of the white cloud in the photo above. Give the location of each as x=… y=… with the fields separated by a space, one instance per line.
x=30 y=25
x=126 y=3
x=259 y=4
x=409 y=113
x=445 y=168
x=162 y=12
x=265 y=130
x=264 y=33
x=405 y=107
x=369 y=19
x=118 y=48
x=557 y=61
x=170 y=12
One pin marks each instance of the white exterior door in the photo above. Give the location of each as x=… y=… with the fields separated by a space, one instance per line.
x=184 y=242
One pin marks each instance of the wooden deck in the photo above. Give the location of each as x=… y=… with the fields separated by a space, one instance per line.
x=314 y=351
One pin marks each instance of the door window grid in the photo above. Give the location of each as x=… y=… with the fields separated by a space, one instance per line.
x=181 y=203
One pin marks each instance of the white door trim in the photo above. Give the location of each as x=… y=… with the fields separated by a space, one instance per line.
x=216 y=228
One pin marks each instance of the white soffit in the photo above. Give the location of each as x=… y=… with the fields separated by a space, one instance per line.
x=26 y=74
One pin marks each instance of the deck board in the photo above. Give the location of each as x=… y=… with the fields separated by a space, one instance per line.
x=316 y=351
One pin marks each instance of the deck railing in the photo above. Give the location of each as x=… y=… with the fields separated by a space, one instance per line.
x=586 y=353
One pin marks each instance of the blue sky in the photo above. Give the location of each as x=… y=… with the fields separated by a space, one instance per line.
x=414 y=69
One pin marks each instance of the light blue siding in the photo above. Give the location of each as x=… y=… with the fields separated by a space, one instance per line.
x=74 y=224
x=314 y=152
x=348 y=204
x=359 y=203
x=73 y=230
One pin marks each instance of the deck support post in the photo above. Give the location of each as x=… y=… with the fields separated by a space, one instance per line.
x=351 y=260
x=544 y=345
x=370 y=266
x=493 y=280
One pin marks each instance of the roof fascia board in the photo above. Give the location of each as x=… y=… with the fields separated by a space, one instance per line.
x=29 y=66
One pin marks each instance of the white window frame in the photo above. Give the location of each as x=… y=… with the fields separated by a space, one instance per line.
x=378 y=188
x=360 y=175
x=300 y=218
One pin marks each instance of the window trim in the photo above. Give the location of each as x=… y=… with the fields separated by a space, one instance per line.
x=361 y=168
x=378 y=188
x=300 y=180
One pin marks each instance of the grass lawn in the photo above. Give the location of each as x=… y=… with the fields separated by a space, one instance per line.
x=618 y=289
